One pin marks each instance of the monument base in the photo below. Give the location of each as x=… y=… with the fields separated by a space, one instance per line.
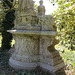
x=17 y=65
x=51 y=67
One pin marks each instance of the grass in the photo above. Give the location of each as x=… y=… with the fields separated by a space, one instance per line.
x=67 y=55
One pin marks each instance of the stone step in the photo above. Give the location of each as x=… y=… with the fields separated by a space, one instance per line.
x=58 y=62
x=57 y=58
x=55 y=53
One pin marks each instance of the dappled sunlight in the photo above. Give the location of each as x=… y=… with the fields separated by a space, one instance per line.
x=12 y=43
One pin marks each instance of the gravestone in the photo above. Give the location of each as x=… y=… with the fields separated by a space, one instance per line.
x=34 y=34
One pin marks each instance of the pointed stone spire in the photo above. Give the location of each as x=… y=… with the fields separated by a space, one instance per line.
x=41 y=8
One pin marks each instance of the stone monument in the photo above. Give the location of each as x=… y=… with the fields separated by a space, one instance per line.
x=34 y=34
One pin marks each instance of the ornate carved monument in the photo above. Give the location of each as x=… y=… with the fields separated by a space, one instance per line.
x=34 y=34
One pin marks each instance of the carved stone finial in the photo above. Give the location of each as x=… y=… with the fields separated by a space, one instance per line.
x=41 y=8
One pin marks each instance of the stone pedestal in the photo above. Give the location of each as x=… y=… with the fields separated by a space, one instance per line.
x=34 y=36
x=35 y=48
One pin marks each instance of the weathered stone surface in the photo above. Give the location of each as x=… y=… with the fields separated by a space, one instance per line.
x=22 y=65
x=34 y=35
x=52 y=69
x=46 y=22
x=26 y=48
x=31 y=32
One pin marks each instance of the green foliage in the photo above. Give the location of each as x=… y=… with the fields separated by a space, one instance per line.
x=67 y=55
x=2 y=14
x=65 y=21
x=7 y=24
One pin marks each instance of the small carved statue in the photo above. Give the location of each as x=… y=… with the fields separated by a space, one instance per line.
x=25 y=5
x=41 y=8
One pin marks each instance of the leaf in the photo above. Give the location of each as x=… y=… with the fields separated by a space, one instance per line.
x=67 y=5
x=60 y=2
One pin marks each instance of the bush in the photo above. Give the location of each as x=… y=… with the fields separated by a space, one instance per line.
x=65 y=21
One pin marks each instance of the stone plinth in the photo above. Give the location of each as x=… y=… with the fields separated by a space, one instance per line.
x=32 y=49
